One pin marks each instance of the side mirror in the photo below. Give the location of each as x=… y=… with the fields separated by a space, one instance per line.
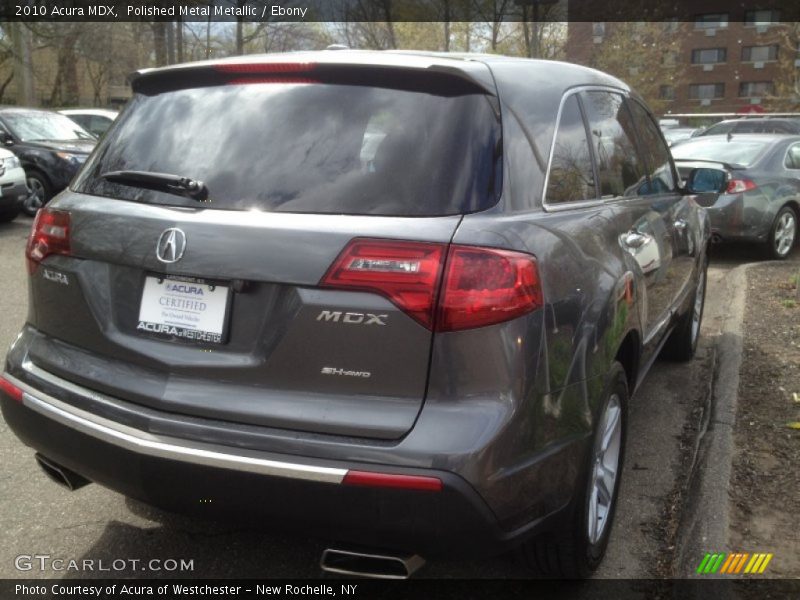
x=6 y=139
x=705 y=180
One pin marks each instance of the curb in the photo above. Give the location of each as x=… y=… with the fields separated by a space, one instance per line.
x=706 y=517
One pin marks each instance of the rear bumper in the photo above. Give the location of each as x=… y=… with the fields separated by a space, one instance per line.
x=740 y=217
x=265 y=490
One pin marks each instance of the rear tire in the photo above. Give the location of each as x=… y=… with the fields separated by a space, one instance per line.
x=578 y=550
x=783 y=234
x=39 y=193
x=682 y=342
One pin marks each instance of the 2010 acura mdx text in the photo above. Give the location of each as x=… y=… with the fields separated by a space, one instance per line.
x=398 y=300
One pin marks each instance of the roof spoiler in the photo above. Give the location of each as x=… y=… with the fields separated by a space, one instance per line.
x=728 y=166
x=441 y=79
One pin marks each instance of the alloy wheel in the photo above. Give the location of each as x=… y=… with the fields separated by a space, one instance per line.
x=605 y=469
x=35 y=199
x=785 y=231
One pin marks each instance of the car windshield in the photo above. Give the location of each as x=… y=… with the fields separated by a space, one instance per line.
x=309 y=148
x=735 y=151
x=39 y=126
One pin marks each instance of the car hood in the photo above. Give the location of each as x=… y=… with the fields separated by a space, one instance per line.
x=77 y=146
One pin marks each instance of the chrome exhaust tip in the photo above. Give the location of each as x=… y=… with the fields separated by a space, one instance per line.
x=370 y=564
x=61 y=475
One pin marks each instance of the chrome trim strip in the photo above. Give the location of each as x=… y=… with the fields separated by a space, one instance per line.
x=141 y=442
x=578 y=204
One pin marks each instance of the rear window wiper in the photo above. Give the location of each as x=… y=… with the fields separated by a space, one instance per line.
x=160 y=182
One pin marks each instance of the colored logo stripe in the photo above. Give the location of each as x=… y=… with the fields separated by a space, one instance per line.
x=734 y=563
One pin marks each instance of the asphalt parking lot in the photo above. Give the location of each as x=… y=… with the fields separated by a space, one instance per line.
x=40 y=518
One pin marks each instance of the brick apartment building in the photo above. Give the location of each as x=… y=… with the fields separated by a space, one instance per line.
x=730 y=60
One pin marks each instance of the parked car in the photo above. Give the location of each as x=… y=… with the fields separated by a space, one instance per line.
x=676 y=135
x=766 y=125
x=13 y=189
x=94 y=120
x=50 y=146
x=427 y=345
x=755 y=194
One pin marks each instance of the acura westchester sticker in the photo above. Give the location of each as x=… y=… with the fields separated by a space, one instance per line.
x=193 y=311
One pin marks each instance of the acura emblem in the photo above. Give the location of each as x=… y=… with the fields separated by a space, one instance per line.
x=171 y=245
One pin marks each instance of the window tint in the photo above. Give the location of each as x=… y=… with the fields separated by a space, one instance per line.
x=618 y=167
x=737 y=151
x=706 y=56
x=706 y=91
x=715 y=21
x=308 y=148
x=760 y=127
x=655 y=152
x=571 y=177
x=793 y=157
x=759 y=53
x=756 y=89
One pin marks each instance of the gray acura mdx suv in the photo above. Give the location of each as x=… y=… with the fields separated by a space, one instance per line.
x=400 y=300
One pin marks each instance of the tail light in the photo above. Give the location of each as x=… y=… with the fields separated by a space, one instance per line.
x=251 y=68
x=484 y=286
x=388 y=480
x=49 y=235
x=480 y=286
x=10 y=390
x=737 y=186
x=277 y=72
x=407 y=273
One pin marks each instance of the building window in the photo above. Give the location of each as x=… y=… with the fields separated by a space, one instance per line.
x=709 y=56
x=713 y=21
x=669 y=59
x=706 y=91
x=598 y=29
x=759 y=53
x=761 y=18
x=666 y=92
x=671 y=25
x=756 y=89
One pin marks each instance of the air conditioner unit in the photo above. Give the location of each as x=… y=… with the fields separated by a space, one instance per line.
x=711 y=32
x=708 y=67
x=633 y=70
x=755 y=100
x=758 y=65
x=598 y=39
x=705 y=102
x=761 y=28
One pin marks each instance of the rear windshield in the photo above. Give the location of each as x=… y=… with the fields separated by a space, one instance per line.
x=309 y=148
x=735 y=152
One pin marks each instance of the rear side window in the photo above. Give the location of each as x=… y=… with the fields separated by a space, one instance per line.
x=756 y=127
x=571 y=177
x=619 y=168
x=655 y=152
x=793 y=157
x=719 y=129
x=739 y=151
x=308 y=148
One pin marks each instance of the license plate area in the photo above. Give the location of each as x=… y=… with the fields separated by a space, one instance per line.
x=185 y=309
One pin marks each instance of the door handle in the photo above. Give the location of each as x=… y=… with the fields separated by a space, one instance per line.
x=681 y=225
x=634 y=239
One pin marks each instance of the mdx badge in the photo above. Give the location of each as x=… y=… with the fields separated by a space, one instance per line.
x=352 y=318
x=171 y=245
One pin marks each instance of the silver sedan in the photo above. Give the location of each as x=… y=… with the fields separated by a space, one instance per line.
x=753 y=188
